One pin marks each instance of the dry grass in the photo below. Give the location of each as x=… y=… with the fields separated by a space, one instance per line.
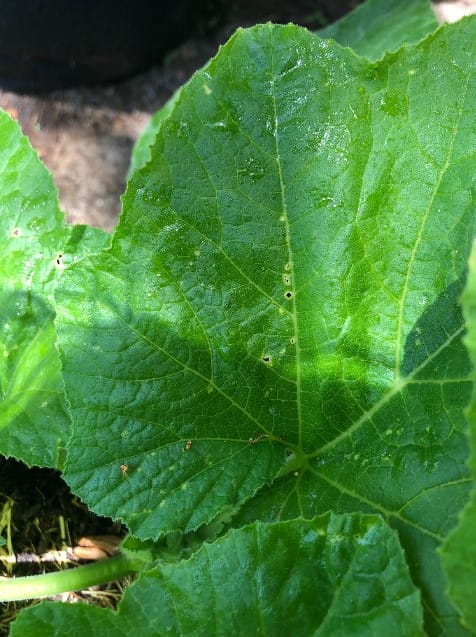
x=40 y=520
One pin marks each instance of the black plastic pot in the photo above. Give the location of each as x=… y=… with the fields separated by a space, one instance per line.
x=46 y=44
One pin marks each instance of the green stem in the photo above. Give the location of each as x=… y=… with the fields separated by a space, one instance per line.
x=72 y=579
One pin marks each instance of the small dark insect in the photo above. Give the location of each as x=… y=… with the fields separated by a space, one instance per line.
x=253 y=441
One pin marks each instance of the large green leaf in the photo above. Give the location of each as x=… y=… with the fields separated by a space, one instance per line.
x=378 y=26
x=333 y=576
x=459 y=551
x=280 y=299
x=35 y=246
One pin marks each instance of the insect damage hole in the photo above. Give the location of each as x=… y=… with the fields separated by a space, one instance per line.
x=288 y=294
x=59 y=261
x=267 y=359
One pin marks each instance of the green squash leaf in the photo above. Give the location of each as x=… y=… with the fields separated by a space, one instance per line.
x=378 y=26
x=333 y=575
x=280 y=302
x=35 y=246
x=459 y=551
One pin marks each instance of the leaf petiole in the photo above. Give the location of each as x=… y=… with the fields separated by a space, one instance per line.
x=73 y=579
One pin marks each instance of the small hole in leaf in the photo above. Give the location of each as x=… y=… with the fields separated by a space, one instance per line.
x=286 y=279
x=288 y=295
x=266 y=358
x=15 y=233
x=59 y=260
x=292 y=340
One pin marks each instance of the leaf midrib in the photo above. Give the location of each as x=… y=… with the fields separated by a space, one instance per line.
x=290 y=258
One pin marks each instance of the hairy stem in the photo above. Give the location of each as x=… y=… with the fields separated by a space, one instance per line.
x=73 y=579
